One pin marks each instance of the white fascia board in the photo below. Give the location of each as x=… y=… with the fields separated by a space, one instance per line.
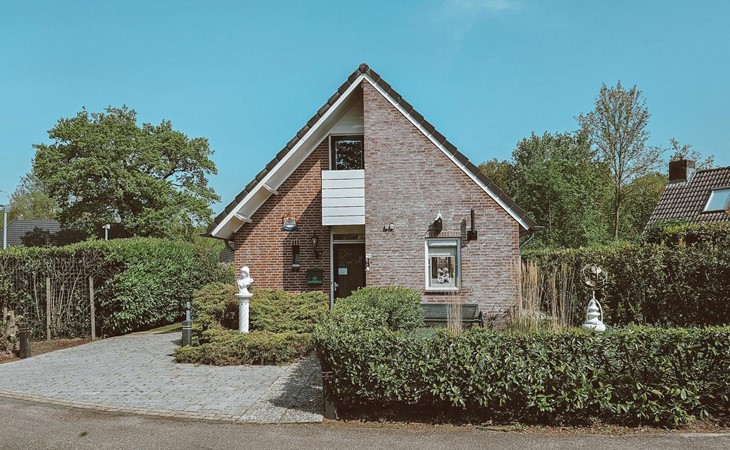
x=297 y=148
x=458 y=163
x=270 y=189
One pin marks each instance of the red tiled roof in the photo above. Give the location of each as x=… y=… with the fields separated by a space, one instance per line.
x=686 y=200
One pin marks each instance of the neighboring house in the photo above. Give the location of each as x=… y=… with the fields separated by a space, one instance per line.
x=32 y=233
x=694 y=195
x=369 y=193
x=47 y=233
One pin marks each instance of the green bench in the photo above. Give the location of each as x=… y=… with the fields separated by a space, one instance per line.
x=437 y=314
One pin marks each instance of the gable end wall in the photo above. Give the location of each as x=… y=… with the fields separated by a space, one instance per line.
x=408 y=181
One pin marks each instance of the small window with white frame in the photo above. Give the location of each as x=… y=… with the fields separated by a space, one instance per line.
x=719 y=200
x=443 y=264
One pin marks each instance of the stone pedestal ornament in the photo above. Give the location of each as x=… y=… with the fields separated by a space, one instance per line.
x=595 y=278
x=244 y=282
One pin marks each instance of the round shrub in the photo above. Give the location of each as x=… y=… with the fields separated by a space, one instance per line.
x=216 y=306
x=393 y=307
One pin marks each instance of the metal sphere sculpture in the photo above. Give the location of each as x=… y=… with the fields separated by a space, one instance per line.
x=595 y=277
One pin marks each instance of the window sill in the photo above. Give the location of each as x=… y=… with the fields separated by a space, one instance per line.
x=431 y=290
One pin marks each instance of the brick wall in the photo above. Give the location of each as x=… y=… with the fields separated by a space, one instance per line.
x=408 y=181
x=266 y=250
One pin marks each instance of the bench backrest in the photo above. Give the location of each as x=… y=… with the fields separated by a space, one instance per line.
x=439 y=311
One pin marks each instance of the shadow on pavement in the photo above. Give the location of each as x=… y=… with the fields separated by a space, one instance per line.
x=302 y=389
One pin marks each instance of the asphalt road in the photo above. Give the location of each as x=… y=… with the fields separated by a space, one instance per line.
x=29 y=425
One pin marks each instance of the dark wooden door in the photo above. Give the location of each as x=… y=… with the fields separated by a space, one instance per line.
x=349 y=268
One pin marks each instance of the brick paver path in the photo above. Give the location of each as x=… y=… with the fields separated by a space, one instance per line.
x=136 y=374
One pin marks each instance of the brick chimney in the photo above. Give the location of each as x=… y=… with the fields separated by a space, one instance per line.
x=681 y=171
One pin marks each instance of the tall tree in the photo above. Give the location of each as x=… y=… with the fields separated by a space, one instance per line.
x=30 y=200
x=501 y=172
x=104 y=168
x=643 y=195
x=685 y=151
x=617 y=127
x=556 y=178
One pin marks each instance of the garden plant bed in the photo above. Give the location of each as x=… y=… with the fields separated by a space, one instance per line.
x=40 y=347
x=281 y=326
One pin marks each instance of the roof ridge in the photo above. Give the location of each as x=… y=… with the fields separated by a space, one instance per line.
x=711 y=169
x=364 y=69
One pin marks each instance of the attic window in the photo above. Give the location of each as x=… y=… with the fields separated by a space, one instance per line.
x=719 y=200
x=347 y=153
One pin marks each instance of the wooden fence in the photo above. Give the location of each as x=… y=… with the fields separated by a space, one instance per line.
x=57 y=299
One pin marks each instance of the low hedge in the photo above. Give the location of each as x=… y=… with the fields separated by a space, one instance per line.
x=393 y=307
x=216 y=306
x=231 y=347
x=281 y=324
x=636 y=375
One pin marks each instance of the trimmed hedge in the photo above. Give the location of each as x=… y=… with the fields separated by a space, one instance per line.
x=679 y=276
x=637 y=375
x=140 y=283
x=688 y=233
x=281 y=324
x=157 y=279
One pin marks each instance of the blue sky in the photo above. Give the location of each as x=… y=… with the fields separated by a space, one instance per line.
x=248 y=75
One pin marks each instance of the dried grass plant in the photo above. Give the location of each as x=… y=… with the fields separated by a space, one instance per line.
x=545 y=298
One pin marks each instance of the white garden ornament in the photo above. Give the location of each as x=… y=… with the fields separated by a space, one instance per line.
x=595 y=278
x=244 y=296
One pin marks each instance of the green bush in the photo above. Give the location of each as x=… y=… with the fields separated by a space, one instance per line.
x=279 y=311
x=215 y=306
x=637 y=375
x=140 y=283
x=393 y=307
x=688 y=233
x=230 y=347
x=157 y=279
x=678 y=277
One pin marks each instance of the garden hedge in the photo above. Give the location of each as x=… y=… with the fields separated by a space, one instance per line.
x=678 y=276
x=635 y=375
x=139 y=283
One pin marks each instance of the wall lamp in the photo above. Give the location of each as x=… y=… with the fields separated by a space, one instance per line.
x=315 y=245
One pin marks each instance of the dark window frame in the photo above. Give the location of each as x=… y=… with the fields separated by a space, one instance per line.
x=333 y=157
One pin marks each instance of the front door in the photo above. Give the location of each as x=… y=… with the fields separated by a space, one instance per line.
x=349 y=268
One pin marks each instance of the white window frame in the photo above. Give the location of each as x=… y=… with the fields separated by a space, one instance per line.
x=442 y=242
x=712 y=194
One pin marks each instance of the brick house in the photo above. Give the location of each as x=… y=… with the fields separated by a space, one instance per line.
x=369 y=193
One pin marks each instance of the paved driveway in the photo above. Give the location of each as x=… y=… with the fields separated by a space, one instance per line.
x=136 y=374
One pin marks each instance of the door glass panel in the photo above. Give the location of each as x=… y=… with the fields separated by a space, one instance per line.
x=347 y=153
